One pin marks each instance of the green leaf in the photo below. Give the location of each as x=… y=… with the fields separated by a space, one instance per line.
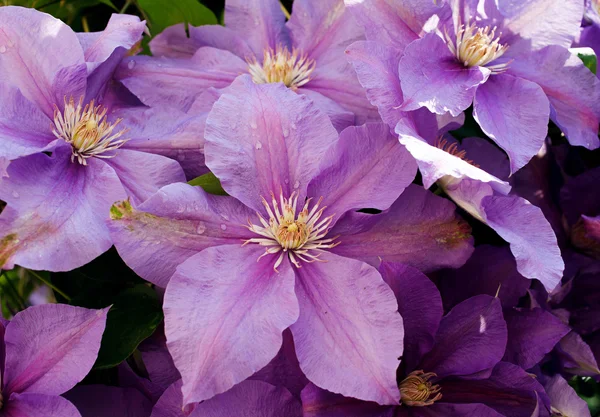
x=133 y=317
x=209 y=183
x=588 y=56
x=165 y=13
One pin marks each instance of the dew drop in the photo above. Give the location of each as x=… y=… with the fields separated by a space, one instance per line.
x=286 y=132
x=253 y=124
x=131 y=64
x=258 y=145
x=225 y=217
x=286 y=181
x=201 y=228
x=15 y=194
x=2 y=49
x=297 y=184
x=180 y=209
x=223 y=227
x=293 y=126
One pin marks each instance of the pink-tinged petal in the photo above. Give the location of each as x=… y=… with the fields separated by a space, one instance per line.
x=577 y=357
x=539 y=23
x=174 y=224
x=317 y=402
x=24 y=128
x=236 y=307
x=431 y=77
x=177 y=82
x=420 y=229
x=366 y=168
x=284 y=370
x=564 y=399
x=51 y=347
x=57 y=211
x=573 y=90
x=170 y=403
x=340 y=117
x=174 y=41
x=471 y=338
x=349 y=333
x=143 y=174
x=107 y=401
x=532 y=240
x=38 y=405
x=435 y=163
x=263 y=139
x=531 y=335
x=377 y=68
x=514 y=113
x=419 y=304
x=490 y=270
x=41 y=56
x=260 y=22
x=251 y=399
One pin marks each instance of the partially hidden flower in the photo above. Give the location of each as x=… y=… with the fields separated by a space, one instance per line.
x=76 y=144
x=306 y=53
x=516 y=71
x=46 y=350
x=288 y=248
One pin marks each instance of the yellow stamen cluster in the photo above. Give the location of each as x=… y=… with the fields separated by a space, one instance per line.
x=301 y=237
x=477 y=47
x=417 y=391
x=282 y=66
x=87 y=130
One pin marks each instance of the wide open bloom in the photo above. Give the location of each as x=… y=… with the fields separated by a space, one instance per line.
x=45 y=351
x=306 y=54
x=288 y=249
x=514 y=68
x=76 y=146
x=451 y=365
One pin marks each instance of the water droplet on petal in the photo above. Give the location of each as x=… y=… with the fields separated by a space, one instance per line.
x=286 y=132
x=131 y=64
x=200 y=228
x=297 y=184
x=293 y=126
x=180 y=209
x=286 y=181
x=15 y=194
x=253 y=124
x=2 y=49
x=225 y=217
x=223 y=227
x=258 y=145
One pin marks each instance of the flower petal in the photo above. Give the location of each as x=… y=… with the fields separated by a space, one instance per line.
x=420 y=306
x=420 y=229
x=340 y=117
x=236 y=317
x=57 y=211
x=250 y=399
x=263 y=139
x=41 y=56
x=107 y=401
x=471 y=338
x=576 y=356
x=318 y=402
x=349 y=333
x=51 y=347
x=367 y=168
x=170 y=404
x=174 y=224
x=39 y=405
x=564 y=398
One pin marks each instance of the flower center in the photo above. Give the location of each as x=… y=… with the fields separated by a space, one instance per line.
x=477 y=47
x=282 y=66
x=417 y=391
x=87 y=130
x=301 y=236
x=453 y=149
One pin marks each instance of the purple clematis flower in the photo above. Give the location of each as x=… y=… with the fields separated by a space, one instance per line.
x=306 y=54
x=45 y=350
x=451 y=365
x=56 y=97
x=302 y=259
x=514 y=68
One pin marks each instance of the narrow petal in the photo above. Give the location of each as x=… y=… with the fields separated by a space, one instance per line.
x=349 y=333
x=573 y=90
x=564 y=399
x=431 y=77
x=236 y=317
x=420 y=229
x=174 y=224
x=170 y=404
x=367 y=168
x=143 y=174
x=260 y=22
x=177 y=82
x=39 y=405
x=107 y=401
x=41 y=56
x=275 y=139
x=317 y=402
x=420 y=306
x=531 y=335
x=532 y=240
x=471 y=338
x=51 y=347
x=250 y=399
x=57 y=211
